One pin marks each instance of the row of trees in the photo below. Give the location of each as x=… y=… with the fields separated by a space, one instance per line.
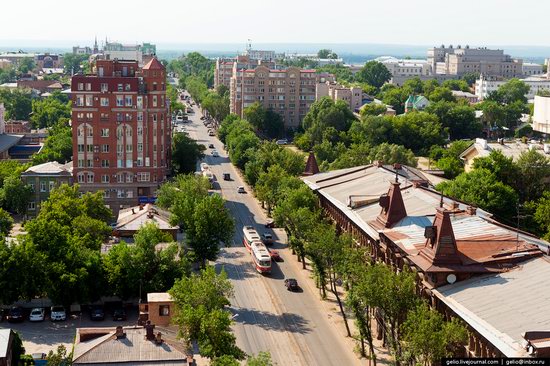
x=335 y=258
x=193 y=64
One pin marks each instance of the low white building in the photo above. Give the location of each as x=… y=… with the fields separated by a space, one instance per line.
x=484 y=86
x=530 y=69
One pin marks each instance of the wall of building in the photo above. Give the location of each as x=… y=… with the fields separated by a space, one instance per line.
x=158 y=315
x=541 y=114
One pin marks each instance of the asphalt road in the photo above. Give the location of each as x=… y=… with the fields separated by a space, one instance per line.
x=293 y=326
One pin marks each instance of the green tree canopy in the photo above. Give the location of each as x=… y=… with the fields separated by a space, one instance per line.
x=185 y=154
x=374 y=73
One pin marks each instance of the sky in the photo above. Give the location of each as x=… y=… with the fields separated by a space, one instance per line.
x=174 y=22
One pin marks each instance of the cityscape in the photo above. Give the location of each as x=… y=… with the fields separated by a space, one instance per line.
x=301 y=203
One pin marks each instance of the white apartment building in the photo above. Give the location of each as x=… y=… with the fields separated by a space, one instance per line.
x=484 y=86
x=541 y=115
x=530 y=69
x=353 y=96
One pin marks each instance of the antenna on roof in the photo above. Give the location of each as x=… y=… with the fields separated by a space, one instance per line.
x=441 y=200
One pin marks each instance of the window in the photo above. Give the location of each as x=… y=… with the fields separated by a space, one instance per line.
x=89 y=163
x=89 y=116
x=80 y=177
x=120 y=178
x=140 y=102
x=81 y=163
x=129 y=163
x=105 y=178
x=42 y=186
x=128 y=117
x=164 y=310
x=139 y=162
x=104 y=116
x=128 y=132
x=90 y=148
x=106 y=194
x=119 y=87
x=88 y=86
x=129 y=194
x=154 y=116
x=119 y=117
x=31 y=206
x=144 y=177
x=104 y=132
x=140 y=147
x=51 y=186
x=32 y=186
x=80 y=86
x=155 y=101
x=104 y=102
x=119 y=101
x=80 y=100
x=105 y=163
x=128 y=100
x=129 y=178
x=104 y=86
x=120 y=193
x=127 y=87
x=140 y=117
x=89 y=100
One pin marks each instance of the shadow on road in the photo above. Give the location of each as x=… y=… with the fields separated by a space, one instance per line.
x=237 y=272
x=286 y=322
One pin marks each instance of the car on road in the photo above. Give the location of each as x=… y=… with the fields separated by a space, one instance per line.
x=240 y=189
x=211 y=133
x=291 y=284
x=215 y=153
x=58 y=313
x=226 y=176
x=210 y=146
x=267 y=238
x=179 y=119
x=202 y=118
x=204 y=167
x=282 y=142
x=15 y=314
x=119 y=314
x=270 y=223
x=274 y=254
x=97 y=313
x=37 y=315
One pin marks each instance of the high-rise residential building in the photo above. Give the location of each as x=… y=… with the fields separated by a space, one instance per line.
x=224 y=68
x=121 y=131
x=289 y=92
x=459 y=61
x=353 y=95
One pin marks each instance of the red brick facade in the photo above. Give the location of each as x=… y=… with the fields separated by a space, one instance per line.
x=121 y=130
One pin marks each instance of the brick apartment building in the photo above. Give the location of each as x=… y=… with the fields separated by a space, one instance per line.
x=353 y=95
x=288 y=92
x=121 y=131
x=224 y=68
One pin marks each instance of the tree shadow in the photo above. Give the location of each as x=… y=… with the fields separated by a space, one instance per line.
x=286 y=322
x=237 y=271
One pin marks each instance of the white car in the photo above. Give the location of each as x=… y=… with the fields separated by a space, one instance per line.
x=37 y=315
x=58 y=313
x=204 y=167
x=215 y=153
x=282 y=142
x=179 y=119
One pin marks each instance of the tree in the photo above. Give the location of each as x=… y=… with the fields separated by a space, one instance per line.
x=533 y=168
x=481 y=188
x=325 y=113
x=72 y=63
x=391 y=153
x=441 y=93
x=58 y=146
x=427 y=337
x=6 y=222
x=185 y=154
x=60 y=357
x=454 y=84
x=459 y=120
x=511 y=91
x=48 y=112
x=395 y=97
x=374 y=73
x=542 y=213
x=470 y=77
x=326 y=53
x=26 y=65
x=18 y=103
x=211 y=224
x=15 y=195
x=261 y=359
x=199 y=301
x=501 y=166
x=414 y=86
x=372 y=109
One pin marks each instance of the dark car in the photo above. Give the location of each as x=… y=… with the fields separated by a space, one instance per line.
x=15 y=314
x=119 y=314
x=210 y=146
x=291 y=284
x=97 y=313
x=270 y=223
x=226 y=176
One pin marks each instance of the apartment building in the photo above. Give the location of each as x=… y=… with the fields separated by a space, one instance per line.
x=459 y=61
x=121 y=131
x=224 y=67
x=353 y=96
x=530 y=69
x=485 y=85
x=142 y=53
x=288 y=92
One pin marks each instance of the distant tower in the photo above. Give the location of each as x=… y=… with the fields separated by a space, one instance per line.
x=96 y=49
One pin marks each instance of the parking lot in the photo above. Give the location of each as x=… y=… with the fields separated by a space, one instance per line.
x=47 y=335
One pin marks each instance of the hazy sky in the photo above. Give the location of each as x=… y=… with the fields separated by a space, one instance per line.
x=413 y=22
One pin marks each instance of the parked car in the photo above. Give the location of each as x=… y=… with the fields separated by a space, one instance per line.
x=204 y=167
x=119 y=314
x=274 y=254
x=282 y=142
x=58 y=313
x=37 y=315
x=211 y=133
x=202 y=118
x=267 y=238
x=291 y=284
x=270 y=223
x=179 y=119
x=97 y=313
x=240 y=189
x=226 y=176
x=215 y=153
x=15 y=314
x=210 y=146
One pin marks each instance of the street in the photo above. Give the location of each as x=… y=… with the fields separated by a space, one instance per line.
x=293 y=326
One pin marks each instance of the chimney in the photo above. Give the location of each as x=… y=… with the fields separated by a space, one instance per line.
x=149 y=331
x=158 y=338
x=141 y=206
x=311 y=165
x=119 y=332
x=471 y=210
x=393 y=207
x=440 y=247
x=133 y=212
x=378 y=163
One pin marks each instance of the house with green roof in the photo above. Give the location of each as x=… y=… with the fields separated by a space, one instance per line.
x=416 y=102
